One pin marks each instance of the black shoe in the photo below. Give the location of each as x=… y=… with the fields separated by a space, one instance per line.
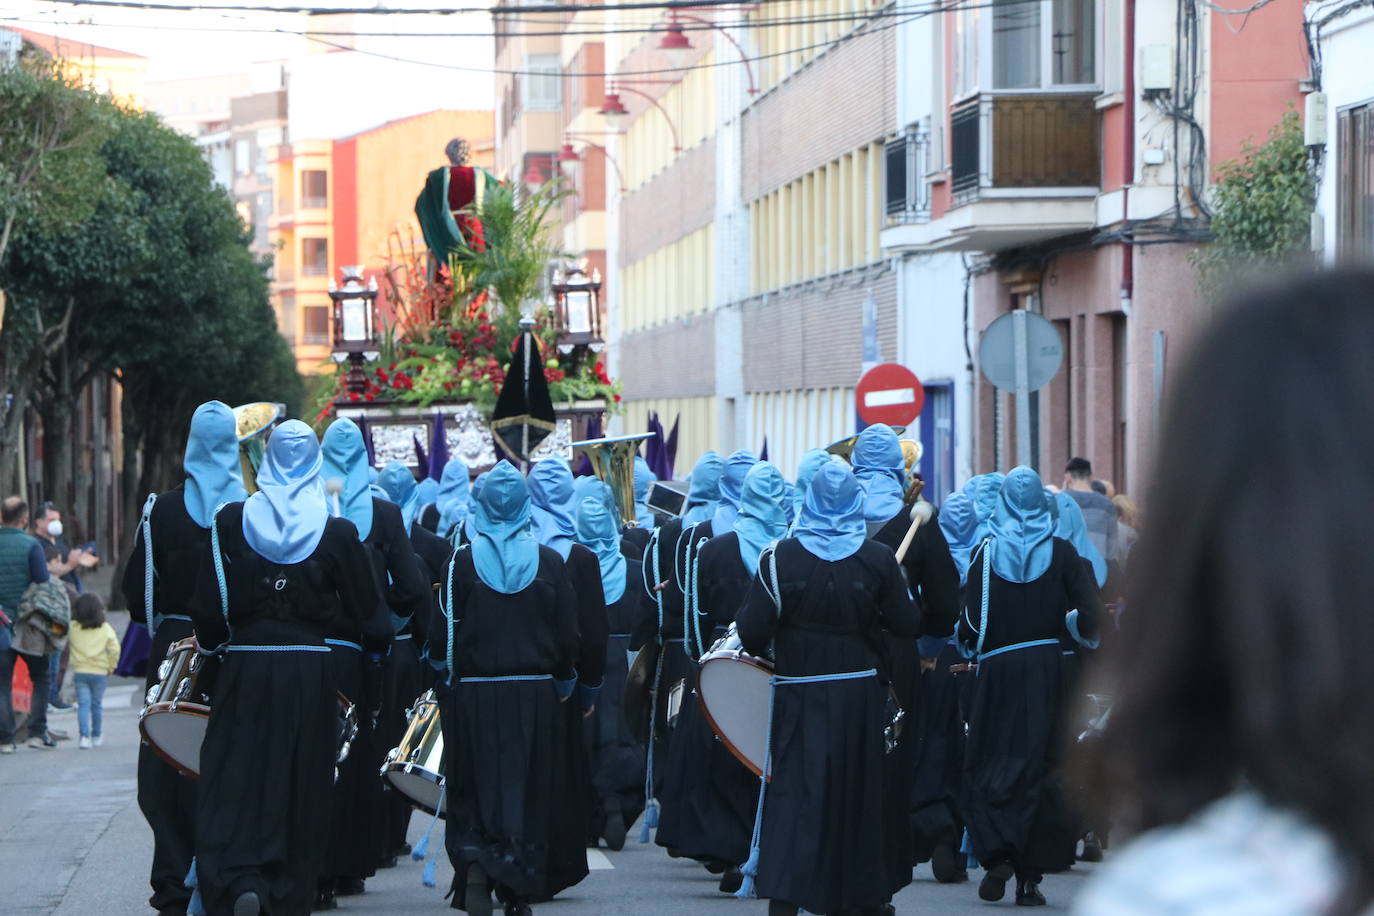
x=614 y=829
x=1028 y=893
x=58 y=704
x=944 y=863
x=387 y=862
x=247 y=904
x=716 y=866
x=175 y=909
x=403 y=850
x=324 y=897
x=477 y=898
x=1092 y=849
x=349 y=887
x=732 y=880
x=518 y=909
x=993 y=887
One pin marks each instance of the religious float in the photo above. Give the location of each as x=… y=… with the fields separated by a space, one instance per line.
x=486 y=342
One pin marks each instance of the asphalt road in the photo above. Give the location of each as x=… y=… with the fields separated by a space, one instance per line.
x=73 y=843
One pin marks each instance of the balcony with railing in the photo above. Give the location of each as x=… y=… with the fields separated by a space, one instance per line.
x=1023 y=167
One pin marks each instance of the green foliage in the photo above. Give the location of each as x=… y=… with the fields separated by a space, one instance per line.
x=1262 y=209
x=515 y=248
x=50 y=132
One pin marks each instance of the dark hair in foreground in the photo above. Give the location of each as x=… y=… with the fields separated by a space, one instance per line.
x=1248 y=636
x=12 y=509
x=1079 y=468
x=88 y=610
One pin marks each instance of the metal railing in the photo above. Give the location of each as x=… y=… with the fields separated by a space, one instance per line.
x=907 y=170
x=1041 y=140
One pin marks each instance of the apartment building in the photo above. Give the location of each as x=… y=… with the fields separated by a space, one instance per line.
x=1066 y=155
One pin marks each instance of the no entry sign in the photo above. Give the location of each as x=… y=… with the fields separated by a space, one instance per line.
x=889 y=393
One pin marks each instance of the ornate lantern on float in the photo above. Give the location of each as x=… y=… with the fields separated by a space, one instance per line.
x=577 y=308
x=355 y=324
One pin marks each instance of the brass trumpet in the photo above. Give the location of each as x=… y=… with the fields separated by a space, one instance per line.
x=254 y=421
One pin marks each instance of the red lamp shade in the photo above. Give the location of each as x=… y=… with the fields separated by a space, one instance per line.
x=675 y=44
x=567 y=159
x=612 y=107
x=533 y=176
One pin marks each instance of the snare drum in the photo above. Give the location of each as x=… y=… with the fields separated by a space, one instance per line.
x=415 y=767
x=734 y=689
x=177 y=708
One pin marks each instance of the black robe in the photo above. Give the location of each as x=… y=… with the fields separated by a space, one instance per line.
x=714 y=795
x=406 y=677
x=1013 y=798
x=166 y=798
x=267 y=763
x=823 y=844
x=354 y=848
x=665 y=558
x=933 y=580
x=617 y=759
x=505 y=742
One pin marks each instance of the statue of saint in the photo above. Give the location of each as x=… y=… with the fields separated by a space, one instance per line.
x=449 y=191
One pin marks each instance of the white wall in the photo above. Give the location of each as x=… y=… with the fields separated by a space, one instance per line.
x=1347 y=80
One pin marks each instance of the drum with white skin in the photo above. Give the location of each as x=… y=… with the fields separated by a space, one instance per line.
x=734 y=690
x=415 y=767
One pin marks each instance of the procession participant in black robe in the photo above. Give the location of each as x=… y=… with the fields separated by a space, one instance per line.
x=1025 y=586
x=823 y=601
x=689 y=542
x=937 y=724
x=718 y=795
x=880 y=467
x=506 y=642
x=450 y=502
x=617 y=759
x=663 y=635
x=554 y=521
x=280 y=576
x=159 y=582
x=354 y=842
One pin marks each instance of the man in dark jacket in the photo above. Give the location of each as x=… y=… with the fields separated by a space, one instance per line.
x=21 y=565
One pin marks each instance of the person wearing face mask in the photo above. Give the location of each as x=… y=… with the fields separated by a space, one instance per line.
x=1025 y=588
x=355 y=847
x=716 y=795
x=505 y=645
x=281 y=575
x=64 y=561
x=170 y=545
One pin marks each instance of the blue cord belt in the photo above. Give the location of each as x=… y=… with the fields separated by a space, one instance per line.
x=1014 y=647
x=162 y=617
x=618 y=636
x=300 y=648
x=400 y=636
x=343 y=644
x=505 y=678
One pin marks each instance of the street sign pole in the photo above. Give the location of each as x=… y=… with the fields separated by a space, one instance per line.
x=1023 y=412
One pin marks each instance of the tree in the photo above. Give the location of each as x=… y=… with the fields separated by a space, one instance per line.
x=1262 y=210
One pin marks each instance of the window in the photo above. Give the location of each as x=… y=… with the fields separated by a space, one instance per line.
x=314 y=189
x=314 y=258
x=542 y=86
x=316 y=330
x=243 y=156
x=906 y=164
x=288 y=319
x=1042 y=44
x=966 y=23
x=1355 y=187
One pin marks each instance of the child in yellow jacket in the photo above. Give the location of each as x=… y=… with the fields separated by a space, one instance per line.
x=94 y=655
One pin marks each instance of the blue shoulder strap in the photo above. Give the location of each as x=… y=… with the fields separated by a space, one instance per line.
x=448 y=608
x=146 y=524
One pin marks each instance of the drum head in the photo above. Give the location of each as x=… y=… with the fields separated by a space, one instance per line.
x=734 y=695
x=420 y=786
x=639 y=686
x=176 y=734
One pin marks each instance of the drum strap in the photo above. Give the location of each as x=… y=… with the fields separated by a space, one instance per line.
x=149 y=613
x=448 y=608
x=691 y=604
x=750 y=868
x=654 y=548
x=219 y=568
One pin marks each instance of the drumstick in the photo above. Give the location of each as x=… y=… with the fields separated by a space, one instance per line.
x=921 y=513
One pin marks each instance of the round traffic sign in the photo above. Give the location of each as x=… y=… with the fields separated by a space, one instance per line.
x=889 y=393
x=1043 y=351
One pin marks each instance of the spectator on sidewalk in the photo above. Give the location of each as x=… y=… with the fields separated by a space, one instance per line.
x=1099 y=513
x=63 y=562
x=21 y=565
x=94 y=655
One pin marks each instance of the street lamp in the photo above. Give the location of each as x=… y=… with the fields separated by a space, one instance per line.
x=355 y=324
x=675 y=44
x=612 y=107
x=568 y=160
x=577 y=309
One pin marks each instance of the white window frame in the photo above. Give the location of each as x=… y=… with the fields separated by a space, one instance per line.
x=1047 y=86
x=549 y=67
